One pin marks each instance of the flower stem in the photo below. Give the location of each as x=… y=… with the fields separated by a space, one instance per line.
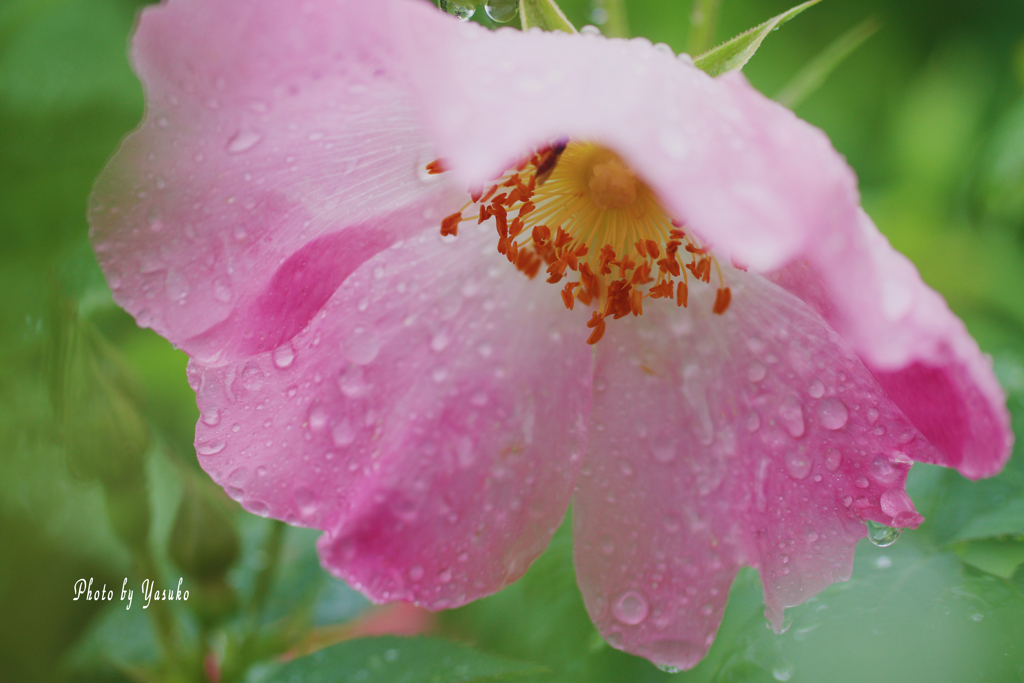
x=702 y=22
x=616 y=26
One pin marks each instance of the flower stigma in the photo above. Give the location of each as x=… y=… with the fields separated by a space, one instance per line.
x=580 y=210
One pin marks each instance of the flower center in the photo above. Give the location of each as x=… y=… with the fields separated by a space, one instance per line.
x=578 y=208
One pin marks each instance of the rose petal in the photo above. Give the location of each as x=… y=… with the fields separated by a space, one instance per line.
x=765 y=188
x=270 y=137
x=919 y=351
x=756 y=437
x=432 y=419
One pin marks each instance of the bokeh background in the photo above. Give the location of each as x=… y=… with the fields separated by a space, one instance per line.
x=930 y=113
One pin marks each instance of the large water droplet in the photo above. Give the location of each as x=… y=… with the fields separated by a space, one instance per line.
x=463 y=9
x=243 y=141
x=833 y=414
x=881 y=535
x=211 y=418
x=306 y=501
x=756 y=372
x=283 y=356
x=252 y=377
x=792 y=416
x=798 y=465
x=317 y=417
x=362 y=346
x=210 y=447
x=630 y=608
x=833 y=459
x=502 y=11
x=817 y=389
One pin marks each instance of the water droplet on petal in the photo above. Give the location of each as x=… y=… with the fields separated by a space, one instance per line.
x=798 y=465
x=283 y=356
x=792 y=417
x=362 y=346
x=416 y=573
x=881 y=535
x=222 y=290
x=211 y=418
x=306 y=501
x=252 y=377
x=445 y=576
x=463 y=9
x=833 y=459
x=833 y=414
x=343 y=434
x=756 y=372
x=243 y=141
x=210 y=447
x=630 y=608
x=317 y=417
x=817 y=389
x=502 y=11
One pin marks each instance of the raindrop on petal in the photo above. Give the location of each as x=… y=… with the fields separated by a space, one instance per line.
x=243 y=141
x=502 y=11
x=881 y=535
x=833 y=414
x=463 y=9
x=630 y=608
x=283 y=356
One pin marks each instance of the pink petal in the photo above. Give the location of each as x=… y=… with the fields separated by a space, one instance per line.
x=756 y=438
x=765 y=188
x=919 y=351
x=431 y=419
x=278 y=153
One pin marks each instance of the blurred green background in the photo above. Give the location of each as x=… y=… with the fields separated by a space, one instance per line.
x=930 y=113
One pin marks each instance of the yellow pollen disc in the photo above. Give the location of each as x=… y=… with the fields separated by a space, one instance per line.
x=580 y=209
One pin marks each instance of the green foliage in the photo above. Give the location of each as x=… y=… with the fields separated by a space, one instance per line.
x=389 y=659
x=543 y=14
x=734 y=53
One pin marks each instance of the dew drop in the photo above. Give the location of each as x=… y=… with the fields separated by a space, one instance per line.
x=257 y=507
x=306 y=501
x=817 y=389
x=861 y=482
x=798 y=465
x=833 y=414
x=792 y=417
x=753 y=422
x=630 y=608
x=252 y=377
x=210 y=447
x=317 y=418
x=343 y=434
x=445 y=576
x=211 y=418
x=881 y=535
x=416 y=573
x=222 y=290
x=833 y=459
x=756 y=372
x=872 y=415
x=362 y=346
x=283 y=356
x=243 y=141
x=463 y=9
x=502 y=11
x=440 y=342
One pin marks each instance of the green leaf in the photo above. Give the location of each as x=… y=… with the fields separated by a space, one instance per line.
x=734 y=53
x=544 y=14
x=390 y=659
x=814 y=73
x=1005 y=520
x=997 y=556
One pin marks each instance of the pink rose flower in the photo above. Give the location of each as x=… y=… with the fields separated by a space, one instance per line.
x=433 y=408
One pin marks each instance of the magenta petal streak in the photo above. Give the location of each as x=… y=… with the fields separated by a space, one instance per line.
x=431 y=409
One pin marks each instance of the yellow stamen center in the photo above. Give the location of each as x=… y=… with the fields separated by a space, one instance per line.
x=580 y=209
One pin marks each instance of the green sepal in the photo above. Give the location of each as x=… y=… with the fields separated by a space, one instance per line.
x=734 y=53
x=543 y=14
